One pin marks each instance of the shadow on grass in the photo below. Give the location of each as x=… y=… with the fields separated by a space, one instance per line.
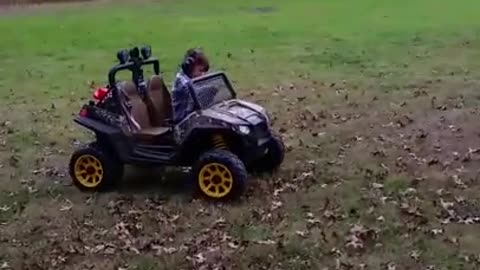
x=161 y=181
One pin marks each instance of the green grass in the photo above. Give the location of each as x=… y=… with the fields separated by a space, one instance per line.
x=349 y=62
x=56 y=52
x=49 y=56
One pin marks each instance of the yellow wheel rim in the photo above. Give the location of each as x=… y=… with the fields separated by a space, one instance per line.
x=88 y=171
x=215 y=180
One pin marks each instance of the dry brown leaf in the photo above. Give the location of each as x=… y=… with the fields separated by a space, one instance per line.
x=109 y=249
x=458 y=182
x=276 y=205
x=14 y=161
x=412 y=210
x=32 y=190
x=133 y=249
x=446 y=205
x=415 y=254
x=453 y=240
x=200 y=258
x=313 y=221
x=164 y=250
x=302 y=233
x=391 y=266
x=266 y=242
x=354 y=243
x=4 y=265
x=174 y=218
x=330 y=215
x=233 y=245
x=409 y=191
x=66 y=206
x=377 y=185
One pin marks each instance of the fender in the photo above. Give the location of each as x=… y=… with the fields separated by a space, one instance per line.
x=112 y=137
x=96 y=126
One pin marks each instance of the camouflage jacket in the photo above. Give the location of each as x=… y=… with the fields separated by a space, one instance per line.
x=182 y=102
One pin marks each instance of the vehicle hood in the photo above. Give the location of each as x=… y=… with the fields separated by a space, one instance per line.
x=237 y=112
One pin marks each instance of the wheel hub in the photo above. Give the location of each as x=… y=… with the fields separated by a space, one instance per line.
x=88 y=171
x=215 y=180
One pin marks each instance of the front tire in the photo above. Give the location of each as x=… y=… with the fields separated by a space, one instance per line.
x=93 y=169
x=220 y=175
x=273 y=158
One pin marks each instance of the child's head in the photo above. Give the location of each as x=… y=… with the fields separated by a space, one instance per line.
x=195 y=63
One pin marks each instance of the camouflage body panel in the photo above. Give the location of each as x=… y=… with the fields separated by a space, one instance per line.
x=228 y=115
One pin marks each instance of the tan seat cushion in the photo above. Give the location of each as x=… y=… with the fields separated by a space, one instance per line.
x=161 y=135
x=139 y=110
x=158 y=101
x=154 y=131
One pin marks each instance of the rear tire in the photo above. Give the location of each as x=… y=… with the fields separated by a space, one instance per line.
x=93 y=169
x=219 y=175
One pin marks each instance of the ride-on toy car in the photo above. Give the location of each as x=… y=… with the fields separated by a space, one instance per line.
x=222 y=140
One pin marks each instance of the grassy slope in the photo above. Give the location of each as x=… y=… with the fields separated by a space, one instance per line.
x=355 y=49
x=323 y=36
x=54 y=54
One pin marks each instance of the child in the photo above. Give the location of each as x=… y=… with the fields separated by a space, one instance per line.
x=195 y=63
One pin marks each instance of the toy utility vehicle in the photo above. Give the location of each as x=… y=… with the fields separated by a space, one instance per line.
x=222 y=140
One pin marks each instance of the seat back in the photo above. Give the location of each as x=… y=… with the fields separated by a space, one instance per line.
x=139 y=110
x=159 y=101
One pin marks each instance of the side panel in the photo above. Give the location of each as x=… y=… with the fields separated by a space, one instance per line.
x=198 y=141
x=196 y=121
x=153 y=155
x=194 y=135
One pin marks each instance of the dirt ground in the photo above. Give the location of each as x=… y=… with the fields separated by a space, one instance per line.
x=408 y=168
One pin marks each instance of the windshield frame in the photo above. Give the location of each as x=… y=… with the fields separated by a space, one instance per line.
x=193 y=94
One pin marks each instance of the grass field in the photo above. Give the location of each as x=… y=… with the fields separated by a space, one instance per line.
x=376 y=100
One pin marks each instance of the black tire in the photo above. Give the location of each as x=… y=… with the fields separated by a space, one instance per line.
x=273 y=158
x=219 y=165
x=101 y=170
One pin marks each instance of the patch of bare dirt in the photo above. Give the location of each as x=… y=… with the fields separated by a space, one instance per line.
x=418 y=144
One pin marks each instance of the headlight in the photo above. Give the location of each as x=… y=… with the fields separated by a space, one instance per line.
x=244 y=130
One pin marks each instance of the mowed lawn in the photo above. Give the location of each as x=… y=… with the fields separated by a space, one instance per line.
x=370 y=96
x=51 y=53
x=62 y=48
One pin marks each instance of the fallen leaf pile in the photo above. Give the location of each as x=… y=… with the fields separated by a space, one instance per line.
x=369 y=182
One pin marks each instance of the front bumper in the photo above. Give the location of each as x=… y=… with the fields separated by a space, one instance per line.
x=255 y=148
